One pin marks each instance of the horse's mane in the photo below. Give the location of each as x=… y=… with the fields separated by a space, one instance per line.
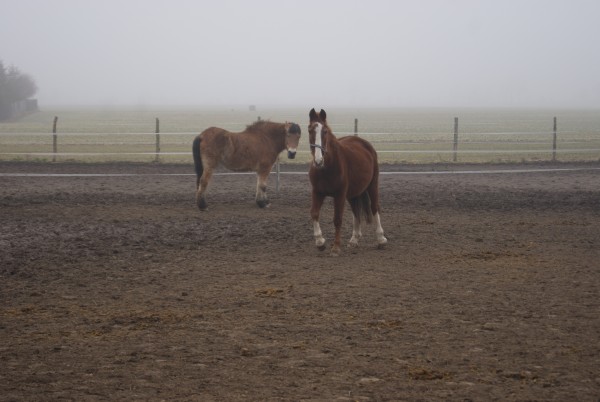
x=258 y=125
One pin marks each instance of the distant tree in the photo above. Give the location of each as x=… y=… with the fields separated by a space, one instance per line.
x=4 y=104
x=14 y=87
x=2 y=73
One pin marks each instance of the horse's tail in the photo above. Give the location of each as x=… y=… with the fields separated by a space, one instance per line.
x=361 y=207
x=197 y=157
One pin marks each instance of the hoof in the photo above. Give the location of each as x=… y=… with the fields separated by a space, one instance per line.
x=263 y=204
x=320 y=243
x=335 y=252
x=202 y=205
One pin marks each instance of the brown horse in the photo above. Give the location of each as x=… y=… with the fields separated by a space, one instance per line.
x=345 y=169
x=255 y=149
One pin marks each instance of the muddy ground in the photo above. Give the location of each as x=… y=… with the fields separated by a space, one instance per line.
x=118 y=288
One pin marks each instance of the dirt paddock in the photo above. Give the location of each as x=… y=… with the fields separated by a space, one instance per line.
x=118 y=288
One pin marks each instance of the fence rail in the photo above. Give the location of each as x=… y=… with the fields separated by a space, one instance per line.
x=536 y=144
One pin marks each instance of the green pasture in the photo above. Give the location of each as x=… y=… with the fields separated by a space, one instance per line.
x=399 y=135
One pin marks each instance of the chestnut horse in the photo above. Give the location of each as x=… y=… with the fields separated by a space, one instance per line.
x=255 y=149
x=345 y=169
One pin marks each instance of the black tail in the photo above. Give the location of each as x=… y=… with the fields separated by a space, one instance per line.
x=197 y=157
x=361 y=207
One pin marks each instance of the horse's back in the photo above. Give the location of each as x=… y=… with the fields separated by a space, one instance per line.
x=358 y=150
x=361 y=164
x=212 y=133
x=214 y=140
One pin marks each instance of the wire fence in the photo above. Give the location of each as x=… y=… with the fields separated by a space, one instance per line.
x=393 y=147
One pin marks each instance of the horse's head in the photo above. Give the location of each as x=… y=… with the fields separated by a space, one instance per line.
x=318 y=132
x=292 y=137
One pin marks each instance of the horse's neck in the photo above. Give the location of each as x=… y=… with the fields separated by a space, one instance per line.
x=333 y=149
x=333 y=142
x=277 y=136
x=273 y=132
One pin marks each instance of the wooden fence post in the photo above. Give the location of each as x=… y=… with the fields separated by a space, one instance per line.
x=355 y=126
x=554 y=141
x=54 y=139
x=455 y=147
x=157 y=131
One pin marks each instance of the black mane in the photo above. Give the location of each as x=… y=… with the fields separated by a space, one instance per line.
x=258 y=125
x=261 y=125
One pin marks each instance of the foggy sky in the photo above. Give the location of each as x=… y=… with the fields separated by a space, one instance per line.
x=425 y=53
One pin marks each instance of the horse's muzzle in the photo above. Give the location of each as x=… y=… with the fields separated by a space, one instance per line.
x=319 y=165
x=291 y=154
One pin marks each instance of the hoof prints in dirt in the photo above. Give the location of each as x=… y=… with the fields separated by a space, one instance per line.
x=120 y=289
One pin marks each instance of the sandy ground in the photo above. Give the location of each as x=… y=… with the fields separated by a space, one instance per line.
x=118 y=288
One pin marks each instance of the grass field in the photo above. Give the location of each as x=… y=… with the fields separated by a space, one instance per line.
x=399 y=135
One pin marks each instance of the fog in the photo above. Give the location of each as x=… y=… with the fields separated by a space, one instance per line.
x=426 y=53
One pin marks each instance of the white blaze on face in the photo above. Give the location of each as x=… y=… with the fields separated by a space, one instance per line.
x=318 y=142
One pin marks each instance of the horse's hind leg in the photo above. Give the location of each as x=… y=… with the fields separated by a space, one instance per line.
x=373 y=191
x=356 y=232
x=201 y=185
x=262 y=200
x=381 y=239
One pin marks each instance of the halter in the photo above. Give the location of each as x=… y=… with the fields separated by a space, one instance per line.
x=322 y=148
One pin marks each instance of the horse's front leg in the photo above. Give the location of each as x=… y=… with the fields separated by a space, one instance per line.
x=315 y=210
x=338 y=212
x=262 y=200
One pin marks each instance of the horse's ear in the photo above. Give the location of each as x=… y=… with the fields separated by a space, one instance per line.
x=323 y=115
x=313 y=115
